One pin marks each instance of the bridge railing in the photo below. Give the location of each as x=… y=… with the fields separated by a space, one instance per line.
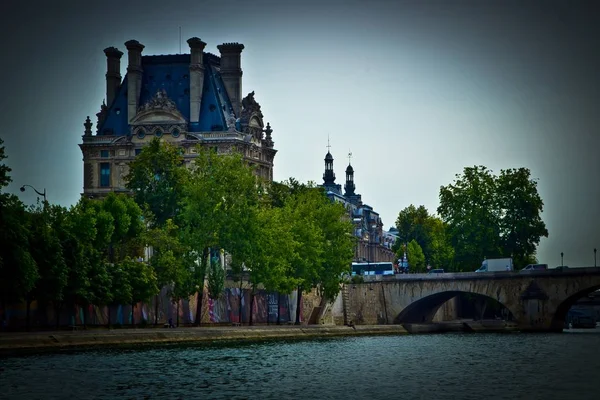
x=484 y=275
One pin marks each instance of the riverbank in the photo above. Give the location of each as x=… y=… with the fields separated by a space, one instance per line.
x=22 y=343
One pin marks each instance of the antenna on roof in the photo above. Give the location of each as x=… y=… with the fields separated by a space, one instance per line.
x=179 y=40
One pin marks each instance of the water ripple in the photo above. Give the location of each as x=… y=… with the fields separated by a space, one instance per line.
x=453 y=366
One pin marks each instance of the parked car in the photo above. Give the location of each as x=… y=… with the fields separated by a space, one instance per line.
x=436 y=271
x=561 y=268
x=535 y=267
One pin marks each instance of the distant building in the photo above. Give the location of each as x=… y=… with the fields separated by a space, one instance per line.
x=184 y=99
x=368 y=228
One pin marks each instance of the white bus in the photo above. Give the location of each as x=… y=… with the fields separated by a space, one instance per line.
x=374 y=268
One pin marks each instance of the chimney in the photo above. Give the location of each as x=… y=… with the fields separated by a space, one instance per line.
x=134 y=77
x=113 y=73
x=231 y=73
x=196 y=77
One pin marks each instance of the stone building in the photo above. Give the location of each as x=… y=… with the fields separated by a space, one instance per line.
x=368 y=227
x=185 y=99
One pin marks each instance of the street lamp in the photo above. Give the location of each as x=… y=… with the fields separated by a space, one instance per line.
x=594 y=257
x=561 y=258
x=43 y=194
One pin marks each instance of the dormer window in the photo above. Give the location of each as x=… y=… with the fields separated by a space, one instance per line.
x=158 y=133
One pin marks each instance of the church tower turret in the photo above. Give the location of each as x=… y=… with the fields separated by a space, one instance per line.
x=329 y=175
x=349 y=186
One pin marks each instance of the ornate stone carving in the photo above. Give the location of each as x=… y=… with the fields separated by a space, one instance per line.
x=250 y=106
x=88 y=126
x=268 y=140
x=122 y=175
x=160 y=101
x=231 y=122
x=101 y=116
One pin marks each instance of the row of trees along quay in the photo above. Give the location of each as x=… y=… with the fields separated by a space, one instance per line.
x=480 y=215
x=281 y=236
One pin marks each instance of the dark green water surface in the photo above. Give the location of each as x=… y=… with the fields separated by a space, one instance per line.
x=447 y=366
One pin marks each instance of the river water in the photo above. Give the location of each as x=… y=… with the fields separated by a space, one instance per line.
x=441 y=366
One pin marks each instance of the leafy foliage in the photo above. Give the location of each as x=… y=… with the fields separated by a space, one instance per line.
x=492 y=216
x=157 y=179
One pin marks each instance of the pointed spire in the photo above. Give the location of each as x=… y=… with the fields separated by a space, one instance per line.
x=329 y=175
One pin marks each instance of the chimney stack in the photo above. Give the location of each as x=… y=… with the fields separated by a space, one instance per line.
x=113 y=73
x=196 y=77
x=134 y=77
x=231 y=73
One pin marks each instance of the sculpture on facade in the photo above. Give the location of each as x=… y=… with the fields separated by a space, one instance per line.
x=160 y=101
x=250 y=106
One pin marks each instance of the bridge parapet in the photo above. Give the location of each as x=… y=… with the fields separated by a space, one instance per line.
x=571 y=272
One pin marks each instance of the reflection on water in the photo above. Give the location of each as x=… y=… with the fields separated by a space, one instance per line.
x=449 y=366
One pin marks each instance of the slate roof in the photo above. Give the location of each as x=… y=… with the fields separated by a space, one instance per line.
x=171 y=73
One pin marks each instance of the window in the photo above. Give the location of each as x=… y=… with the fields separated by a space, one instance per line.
x=104 y=174
x=104 y=153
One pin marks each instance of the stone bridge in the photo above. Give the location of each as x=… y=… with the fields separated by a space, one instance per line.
x=537 y=300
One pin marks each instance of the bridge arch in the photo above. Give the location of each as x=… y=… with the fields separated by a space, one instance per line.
x=558 y=321
x=423 y=310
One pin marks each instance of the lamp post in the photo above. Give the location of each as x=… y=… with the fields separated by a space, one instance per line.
x=594 y=257
x=43 y=194
x=561 y=259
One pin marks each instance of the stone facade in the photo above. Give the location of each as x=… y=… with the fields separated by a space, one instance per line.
x=371 y=245
x=184 y=99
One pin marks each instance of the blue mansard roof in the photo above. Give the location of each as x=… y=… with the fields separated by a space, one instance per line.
x=171 y=73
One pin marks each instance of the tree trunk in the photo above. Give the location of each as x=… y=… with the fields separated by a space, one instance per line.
x=205 y=256
x=278 y=308
x=251 y=306
x=299 y=302
x=108 y=322
x=28 y=312
x=178 y=313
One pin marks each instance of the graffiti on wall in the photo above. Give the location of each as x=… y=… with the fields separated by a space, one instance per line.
x=231 y=307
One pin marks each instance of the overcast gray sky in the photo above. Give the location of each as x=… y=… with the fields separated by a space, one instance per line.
x=417 y=90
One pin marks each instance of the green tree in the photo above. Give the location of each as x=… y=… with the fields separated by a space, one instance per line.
x=157 y=177
x=46 y=249
x=142 y=279
x=120 y=288
x=469 y=208
x=520 y=207
x=300 y=210
x=492 y=216
x=216 y=279
x=169 y=259
x=18 y=269
x=416 y=258
x=219 y=210
x=338 y=246
x=414 y=223
x=125 y=238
